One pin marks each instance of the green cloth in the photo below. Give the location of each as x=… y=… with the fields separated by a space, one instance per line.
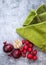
x=41 y=9
x=35 y=33
x=35 y=16
x=30 y=17
x=42 y=17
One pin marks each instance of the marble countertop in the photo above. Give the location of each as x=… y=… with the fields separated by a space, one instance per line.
x=12 y=15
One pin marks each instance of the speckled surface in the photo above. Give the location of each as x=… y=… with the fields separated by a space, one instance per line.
x=12 y=15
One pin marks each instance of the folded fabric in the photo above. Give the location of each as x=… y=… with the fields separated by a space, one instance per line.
x=35 y=16
x=36 y=19
x=41 y=9
x=42 y=17
x=30 y=18
x=35 y=33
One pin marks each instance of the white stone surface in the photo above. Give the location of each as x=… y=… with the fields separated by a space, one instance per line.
x=12 y=15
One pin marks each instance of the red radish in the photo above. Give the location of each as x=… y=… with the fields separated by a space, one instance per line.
x=25 y=47
x=7 y=47
x=34 y=57
x=34 y=52
x=27 y=42
x=23 y=55
x=30 y=45
x=23 y=41
x=21 y=49
x=29 y=49
x=29 y=56
x=24 y=51
x=16 y=53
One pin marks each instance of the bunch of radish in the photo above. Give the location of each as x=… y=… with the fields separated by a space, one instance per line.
x=26 y=50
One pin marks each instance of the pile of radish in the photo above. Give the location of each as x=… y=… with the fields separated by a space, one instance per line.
x=26 y=50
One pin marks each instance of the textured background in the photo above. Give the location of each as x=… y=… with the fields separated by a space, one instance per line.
x=12 y=15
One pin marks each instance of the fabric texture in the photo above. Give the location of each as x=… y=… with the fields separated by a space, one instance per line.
x=36 y=33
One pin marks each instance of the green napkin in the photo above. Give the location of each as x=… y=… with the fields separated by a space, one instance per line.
x=36 y=33
x=30 y=17
x=42 y=17
x=41 y=9
x=35 y=16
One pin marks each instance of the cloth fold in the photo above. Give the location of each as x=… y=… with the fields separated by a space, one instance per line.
x=36 y=16
x=36 y=33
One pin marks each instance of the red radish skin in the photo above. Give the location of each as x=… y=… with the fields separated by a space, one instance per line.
x=21 y=49
x=23 y=55
x=24 y=51
x=26 y=42
x=25 y=47
x=34 y=52
x=34 y=58
x=29 y=49
x=30 y=45
x=29 y=56
x=23 y=41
